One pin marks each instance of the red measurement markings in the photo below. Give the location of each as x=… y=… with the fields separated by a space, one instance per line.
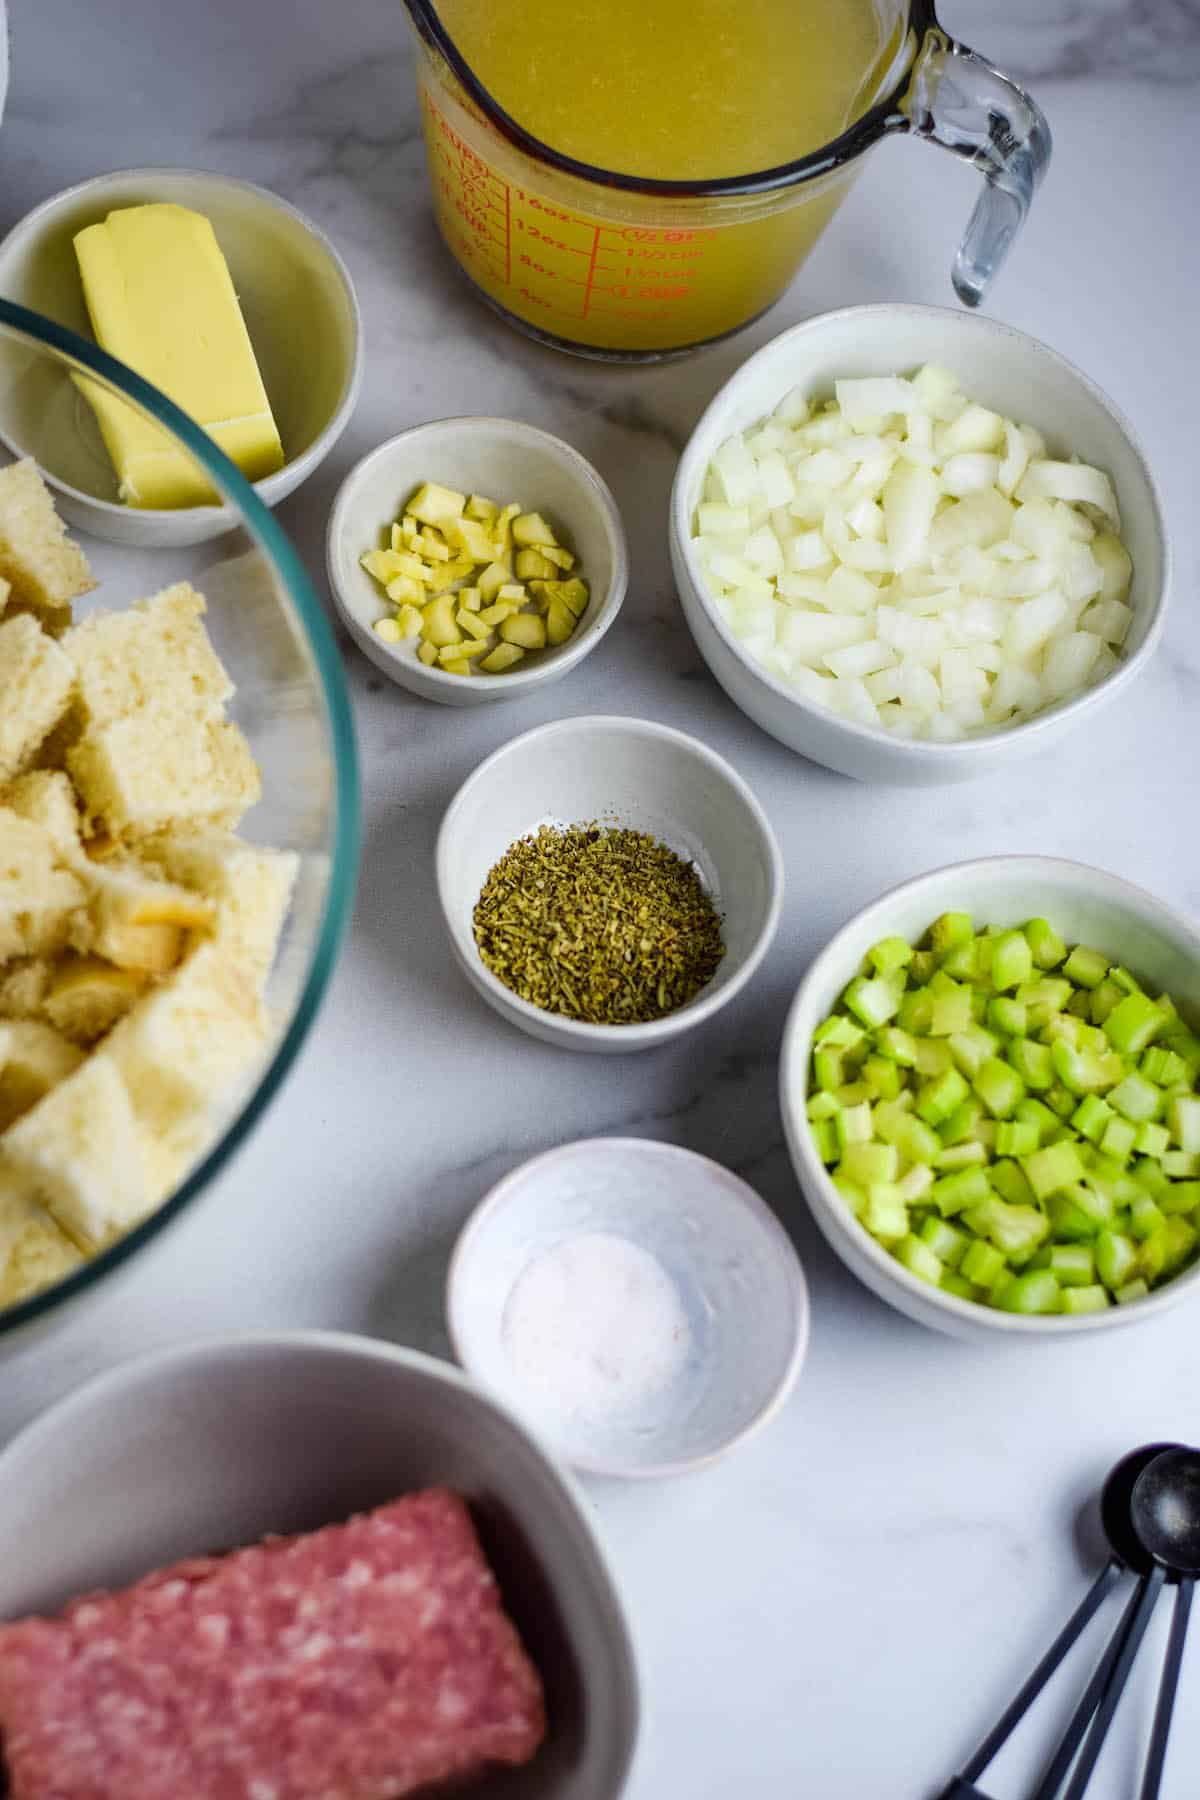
x=591 y=274
x=508 y=240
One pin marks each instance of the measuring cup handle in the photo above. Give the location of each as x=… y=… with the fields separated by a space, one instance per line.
x=960 y=101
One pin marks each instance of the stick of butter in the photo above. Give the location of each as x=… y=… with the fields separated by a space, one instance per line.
x=160 y=298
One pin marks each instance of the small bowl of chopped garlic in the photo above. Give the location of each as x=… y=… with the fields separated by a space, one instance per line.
x=473 y=559
x=911 y=542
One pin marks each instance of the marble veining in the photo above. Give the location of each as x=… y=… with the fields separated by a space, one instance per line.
x=842 y=1607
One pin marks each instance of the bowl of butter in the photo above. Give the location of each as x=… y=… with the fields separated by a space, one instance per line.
x=217 y=292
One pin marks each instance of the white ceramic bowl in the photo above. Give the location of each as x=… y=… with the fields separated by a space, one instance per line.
x=635 y=774
x=505 y=460
x=736 y=1276
x=1005 y=369
x=300 y=310
x=1084 y=905
x=218 y=1443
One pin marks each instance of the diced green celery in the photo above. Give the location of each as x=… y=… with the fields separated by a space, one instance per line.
x=1072 y=1214
x=1119 y=1139
x=1087 y=968
x=1151 y=1177
x=1163 y=1067
x=967 y=1187
x=1146 y=1217
x=1049 y=992
x=951 y=1013
x=890 y=954
x=953 y=1283
x=868 y=1164
x=1007 y=1016
x=1037 y=1291
x=918 y=1142
x=1018 y=1137
x=1080 y=1004
x=1128 y=983
x=885 y=1215
x=1032 y=1062
x=972 y=1047
x=1181 y=1165
x=1073 y=1264
x=950 y=929
x=916 y=1256
x=934 y=1057
x=915 y=1183
x=945 y=1240
x=882 y=1077
x=1181 y=1241
x=961 y=1123
x=825 y=1141
x=827 y=1069
x=851 y=1193
x=1135 y=1098
x=1008 y=1179
x=1064 y=1026
x=1183 y=1116
x=979 y=1002
x=998 y=1085
x=822 y=1106
x=1104 y=998
x=896 y=1045
x=852 y=1093
x=1083 y=1071
x=1133 y=1290
x=1047 y=947
x=1092 y=1117
x=962 y=961
x=839 y=1033
x=1132 y=1025
x=984 y=1132
x=1152 y=1254
x=1060 y=1100
x=1116 y=1258
x=874 y=1002
x=970 y=1155
x=923 y=967
x=938 y=1098
x=916 y=1010
x=1181 y=1197
x=1052 y=1169
x=1077 y=1300
x=890 y=1119
x=853 y=1124
x=982 y=1263
x=1018 y=1230
x=1037 y=1113
x=1168 y=1006
x=1012 y=961
x=1185 y=1044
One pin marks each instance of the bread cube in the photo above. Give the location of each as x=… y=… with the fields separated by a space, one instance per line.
x=34 y=1060
x=23 y=987
x=38 y=897
x=47 y=797
x=135 y=919
x=187 y=1044
x=34 y=1251
x=45 y=568
x=35 y=688
x=156 y=653
x=84 y=996
x=79 y=1150
x=250 y=886
x=152 y=772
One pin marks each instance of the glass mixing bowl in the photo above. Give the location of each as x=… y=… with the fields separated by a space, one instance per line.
x=270 y=631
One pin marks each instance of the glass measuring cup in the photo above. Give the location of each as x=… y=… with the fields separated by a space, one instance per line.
x=625 y=268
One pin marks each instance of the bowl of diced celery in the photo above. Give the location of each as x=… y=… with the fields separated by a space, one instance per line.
x=990 y=1085
x=912 y=543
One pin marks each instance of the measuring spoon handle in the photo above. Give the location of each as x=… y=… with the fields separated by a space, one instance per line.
x=1148 y=1592
x=1157 y=1753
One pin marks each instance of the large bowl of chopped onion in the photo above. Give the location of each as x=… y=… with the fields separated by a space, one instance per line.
x=909 y=542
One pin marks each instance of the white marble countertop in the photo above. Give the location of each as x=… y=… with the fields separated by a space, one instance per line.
x=839 y=1609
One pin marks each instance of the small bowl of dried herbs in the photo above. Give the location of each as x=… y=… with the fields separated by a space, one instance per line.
x=608 y=883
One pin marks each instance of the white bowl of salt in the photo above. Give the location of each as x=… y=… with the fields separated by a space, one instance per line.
x=639 y=1306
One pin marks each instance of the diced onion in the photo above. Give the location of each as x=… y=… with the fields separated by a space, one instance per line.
x=913 y=560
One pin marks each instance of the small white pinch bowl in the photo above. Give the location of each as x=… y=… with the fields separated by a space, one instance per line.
x=300 y=310
x=633 y=774
x=1003 y=368
x=732 y=1264
x=504 y=459
x=209 y=1445
x=1084 y=905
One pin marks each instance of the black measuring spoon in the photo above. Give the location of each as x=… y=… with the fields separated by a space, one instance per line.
x=1126 y=1552
x=1166 y=1516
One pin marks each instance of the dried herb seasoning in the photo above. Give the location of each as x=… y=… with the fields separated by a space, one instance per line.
x=596 y=923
